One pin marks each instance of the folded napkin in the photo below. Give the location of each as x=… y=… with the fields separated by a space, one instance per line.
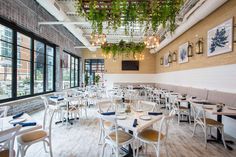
x=18 y=115
x=108 y=113
x=24 y=124
x=55 y=97
x=60 y=99
x=135 y=123
x=154 y=113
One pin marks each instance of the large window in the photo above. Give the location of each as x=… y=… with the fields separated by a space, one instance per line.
x=70 y=70
x=26 y=64
x=93 y=67
x=6 y=46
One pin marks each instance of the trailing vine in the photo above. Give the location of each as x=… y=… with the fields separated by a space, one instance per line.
x=122 y=48
x=127 y=13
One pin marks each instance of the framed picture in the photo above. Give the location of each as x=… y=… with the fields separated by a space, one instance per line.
x=165 y=60
x=183 y=53
x=220 y=38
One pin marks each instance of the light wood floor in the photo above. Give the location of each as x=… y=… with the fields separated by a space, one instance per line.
x=81 y=140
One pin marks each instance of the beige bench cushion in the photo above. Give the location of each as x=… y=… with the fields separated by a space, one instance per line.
x=32 y=136
x=150 y=135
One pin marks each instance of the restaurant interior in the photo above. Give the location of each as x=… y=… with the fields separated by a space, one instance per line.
x=117 y=78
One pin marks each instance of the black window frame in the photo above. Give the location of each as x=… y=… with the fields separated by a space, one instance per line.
x=15 y=28
x=78 y=67
x=98 y=63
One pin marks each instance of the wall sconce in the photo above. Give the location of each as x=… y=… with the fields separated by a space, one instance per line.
x=170 y=58
x=174 y=57
x=161 y=61
x=190 y=49
x=199 y=46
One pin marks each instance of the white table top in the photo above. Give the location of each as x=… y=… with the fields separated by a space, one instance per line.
x=142 y=124
x=227 y=110
x=7 y=125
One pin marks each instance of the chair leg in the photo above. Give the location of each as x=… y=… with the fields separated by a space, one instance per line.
x=205 y=133
x=157 y=151
x=178 y=118
x=18 y=151
x=194 y=129
x=103 y=149
x=45 y=148
x=223 y=136
x=133 y=149
x=50 y=147
x=22 y=151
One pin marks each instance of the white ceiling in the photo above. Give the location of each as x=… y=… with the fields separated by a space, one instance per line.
x=83 y=27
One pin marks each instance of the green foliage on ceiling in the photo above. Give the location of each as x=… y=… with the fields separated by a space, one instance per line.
x=123 y=48
x=127 y=13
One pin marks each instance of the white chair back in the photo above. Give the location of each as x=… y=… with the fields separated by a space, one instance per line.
x=7 y=138
x=3 y=111
x=199 y=114
x=164 y=124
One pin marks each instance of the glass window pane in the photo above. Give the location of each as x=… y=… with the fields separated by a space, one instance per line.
x=5 y=49
x=39 y=57
x=49 y=78
x=50 y=50
x=23 y=40
x=49 y=60
x=38 y=77
x=5 y=33
x=5 y=78
x=39 y=46
x=23 y=78
x=23 y=53
x=76 y=75
x=66 y=78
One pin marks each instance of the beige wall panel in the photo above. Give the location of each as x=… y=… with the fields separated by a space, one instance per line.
x=225 y=12
x=147 y=66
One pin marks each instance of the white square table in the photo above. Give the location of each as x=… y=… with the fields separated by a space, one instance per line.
x=7 y=125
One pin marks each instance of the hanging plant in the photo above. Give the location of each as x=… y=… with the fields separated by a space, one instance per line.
x=127 y=13
x=123 y=48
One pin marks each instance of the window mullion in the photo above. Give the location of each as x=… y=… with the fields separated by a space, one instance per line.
x=44 y=70
x=14 y=65
x=32 y=67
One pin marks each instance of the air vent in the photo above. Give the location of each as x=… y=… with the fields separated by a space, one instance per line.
x=57 y=6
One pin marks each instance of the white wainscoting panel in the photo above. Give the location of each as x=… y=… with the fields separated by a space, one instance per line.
x=221 y=78
x=125 y=78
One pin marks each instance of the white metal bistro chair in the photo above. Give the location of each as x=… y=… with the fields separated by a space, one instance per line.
x=53 y=107
x=7 y=138
x=156 y=137
x=180 y=110
x=43 y=135
x=206 y=123
x=103 y=106
x=116 y=138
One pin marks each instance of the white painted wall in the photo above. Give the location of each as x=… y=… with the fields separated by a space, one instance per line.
x=125 y=78
x=221 y=78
